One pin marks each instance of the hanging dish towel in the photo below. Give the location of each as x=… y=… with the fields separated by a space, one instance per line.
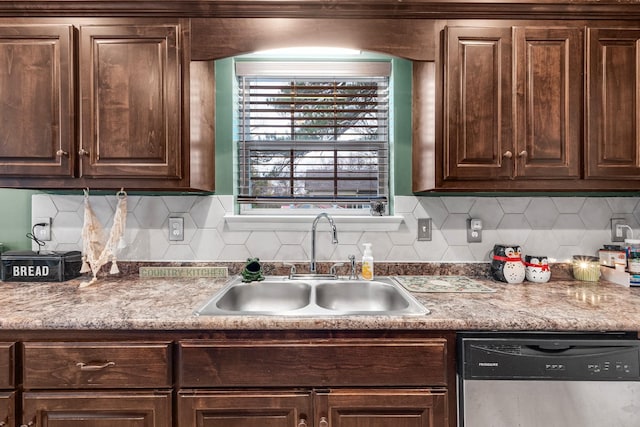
x=96 y=252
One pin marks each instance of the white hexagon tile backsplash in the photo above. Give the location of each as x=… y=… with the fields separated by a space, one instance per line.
x=558 y=227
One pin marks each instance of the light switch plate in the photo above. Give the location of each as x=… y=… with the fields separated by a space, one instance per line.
x=424 y=229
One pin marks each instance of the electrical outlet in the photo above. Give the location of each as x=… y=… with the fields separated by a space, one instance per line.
x=424 y=229
x=474 y=230
x=42 y=232
x=176 y=228
x=618 y=229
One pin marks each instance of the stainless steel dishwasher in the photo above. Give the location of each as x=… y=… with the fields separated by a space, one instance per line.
x=548 y=380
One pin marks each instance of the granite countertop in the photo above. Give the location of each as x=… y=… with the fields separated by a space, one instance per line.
x=133 y=303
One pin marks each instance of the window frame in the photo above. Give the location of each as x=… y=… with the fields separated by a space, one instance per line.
x=342 y=69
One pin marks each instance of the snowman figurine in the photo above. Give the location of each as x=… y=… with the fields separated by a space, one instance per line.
x=537 y=268
x=506 y=264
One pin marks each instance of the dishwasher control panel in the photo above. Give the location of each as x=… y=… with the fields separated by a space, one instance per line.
x=535 y=359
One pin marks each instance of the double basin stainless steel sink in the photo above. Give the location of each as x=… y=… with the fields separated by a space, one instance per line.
x=281 y=296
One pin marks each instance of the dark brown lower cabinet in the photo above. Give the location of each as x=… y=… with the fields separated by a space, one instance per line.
x=246 y=409
x=384 y=408
x=8 y=409
x=319 y=408
x=97 y=409
x=261 y=380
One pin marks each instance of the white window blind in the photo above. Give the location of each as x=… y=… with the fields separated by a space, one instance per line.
x=313 y=135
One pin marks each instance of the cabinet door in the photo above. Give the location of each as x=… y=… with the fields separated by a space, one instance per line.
x=382 y=408
x=130 y=86
x=36 y=101
x=246 y=409
x=7 y=409
x=97 y=409
x=477 y=95
x=613 y=117
x=549 y=64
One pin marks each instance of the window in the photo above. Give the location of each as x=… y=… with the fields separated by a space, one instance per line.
x=313 y=135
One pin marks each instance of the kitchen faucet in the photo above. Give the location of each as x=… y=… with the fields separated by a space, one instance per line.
x=313 y=238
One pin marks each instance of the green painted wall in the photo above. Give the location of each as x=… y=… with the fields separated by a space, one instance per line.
x=225 y=154
x=401 y=103
x=401 y=126
x=15 y=218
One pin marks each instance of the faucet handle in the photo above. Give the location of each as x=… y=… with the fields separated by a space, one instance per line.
x=352 y=262
x=293 y=268
x=333 y=270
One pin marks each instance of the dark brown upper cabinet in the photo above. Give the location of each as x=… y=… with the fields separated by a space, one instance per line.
x=130 y=102
x=512 y=107
x=548 y=102
x=613 y=115
x=477 y=135
x=130 y=80
x=36 y=101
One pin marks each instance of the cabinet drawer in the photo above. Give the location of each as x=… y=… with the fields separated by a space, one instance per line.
x=7 y=352
x=335 y=363
x=97 y=365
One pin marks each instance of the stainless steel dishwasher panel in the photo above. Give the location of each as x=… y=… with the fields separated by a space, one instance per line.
x=539 y=380
x=515 y=403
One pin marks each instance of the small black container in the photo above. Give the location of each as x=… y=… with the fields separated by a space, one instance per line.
x=29 y=266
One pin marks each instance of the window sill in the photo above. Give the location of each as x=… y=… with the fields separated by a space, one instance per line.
x=303 y=222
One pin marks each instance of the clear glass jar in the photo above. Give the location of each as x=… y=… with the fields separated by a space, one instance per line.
x=586 y=268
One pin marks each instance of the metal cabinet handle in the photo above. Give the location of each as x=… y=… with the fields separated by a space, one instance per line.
x=323 y=422
x=523 y=153
x=29 y=424
x=508 y=154
x=61 y=153
x=83 y=152
x=94 y=367
x=302 y=423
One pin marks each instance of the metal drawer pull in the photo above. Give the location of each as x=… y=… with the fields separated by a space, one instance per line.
x=29 y=424
x=83 y=152
x=523 y=153
x=90 y=367
x=302 y=423
x=61 y=153
x=508 y=154
x=323 y=422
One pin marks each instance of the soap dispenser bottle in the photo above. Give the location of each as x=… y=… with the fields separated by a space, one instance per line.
x=367 y=262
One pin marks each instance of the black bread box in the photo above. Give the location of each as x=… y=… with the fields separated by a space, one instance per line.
x=50 y=266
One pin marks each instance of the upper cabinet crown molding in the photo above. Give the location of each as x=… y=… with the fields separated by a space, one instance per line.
x=543 y=9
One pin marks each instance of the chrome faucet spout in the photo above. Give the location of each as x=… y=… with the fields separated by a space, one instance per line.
x=334 y=231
